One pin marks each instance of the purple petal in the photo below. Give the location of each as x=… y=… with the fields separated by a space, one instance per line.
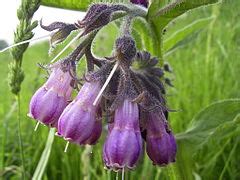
x=127 y=115
x=47 y=106
x=161 y=144
x=157 y=149
x=122 y=148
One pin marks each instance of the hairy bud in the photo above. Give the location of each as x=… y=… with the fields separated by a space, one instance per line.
x=98 y=16
x=126 y=48
x=145 y=61
x=140 y=2
x=63 y=32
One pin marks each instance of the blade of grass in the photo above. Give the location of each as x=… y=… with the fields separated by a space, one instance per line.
x=5 y=132
x=228 y=161
x=44 y=157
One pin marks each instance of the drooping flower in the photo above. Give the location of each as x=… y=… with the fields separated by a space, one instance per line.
x=49 y=101
x=80 y=122
x=123 y=146
x=140 y=2
x=161 y=144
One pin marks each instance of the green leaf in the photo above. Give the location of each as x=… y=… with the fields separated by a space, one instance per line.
x=45 y=156
x=183 y=33
x=225 y=131
x=218 y=117
x=80 y=5
x=156 y=5
x=160 y=14
x=173 y=10
x=138 y=39
x=68 y=4
x=147 y=36
x=106 y=39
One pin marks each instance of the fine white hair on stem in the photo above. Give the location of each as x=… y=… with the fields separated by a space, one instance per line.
x=65 y=48
x=106 y=83
x=66 y=147
x=36 y=127
x=27 y=41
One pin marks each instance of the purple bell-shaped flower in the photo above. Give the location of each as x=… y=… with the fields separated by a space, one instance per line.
x=123 y=146
x=81 y=122
x=161 y=144
x=49 y=101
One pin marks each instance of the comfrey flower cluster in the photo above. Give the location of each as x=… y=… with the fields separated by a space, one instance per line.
x=126 y=88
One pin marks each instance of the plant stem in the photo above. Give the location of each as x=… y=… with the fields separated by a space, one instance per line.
x=20 y=136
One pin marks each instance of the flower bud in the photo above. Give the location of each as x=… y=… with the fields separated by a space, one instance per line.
x=145 y=61
x=92 y=12
x=80 y=122
x=168 y=82
x=167 y=68
x=140 y=2
x=155 y=71
x=98 y=15
x=153 y=61
x=126 y=48
x=123 y=146
x=49 y=101
x=161 y=144
x=63 y=32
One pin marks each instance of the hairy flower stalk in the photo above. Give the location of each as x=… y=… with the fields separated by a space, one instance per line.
x=49 y=101
x=81 y=122
x=123 y=147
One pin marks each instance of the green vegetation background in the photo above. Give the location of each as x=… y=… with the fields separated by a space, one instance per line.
x=206 y=69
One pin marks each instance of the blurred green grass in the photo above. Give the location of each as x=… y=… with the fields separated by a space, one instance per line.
x=206 y=70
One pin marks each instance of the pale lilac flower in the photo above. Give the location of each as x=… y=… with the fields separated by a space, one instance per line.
x=49 y=101
x=81 y=122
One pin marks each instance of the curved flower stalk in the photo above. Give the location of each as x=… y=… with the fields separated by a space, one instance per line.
x=123 y=147
x=161 y=144
x=49 y=101
x=80 y=122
